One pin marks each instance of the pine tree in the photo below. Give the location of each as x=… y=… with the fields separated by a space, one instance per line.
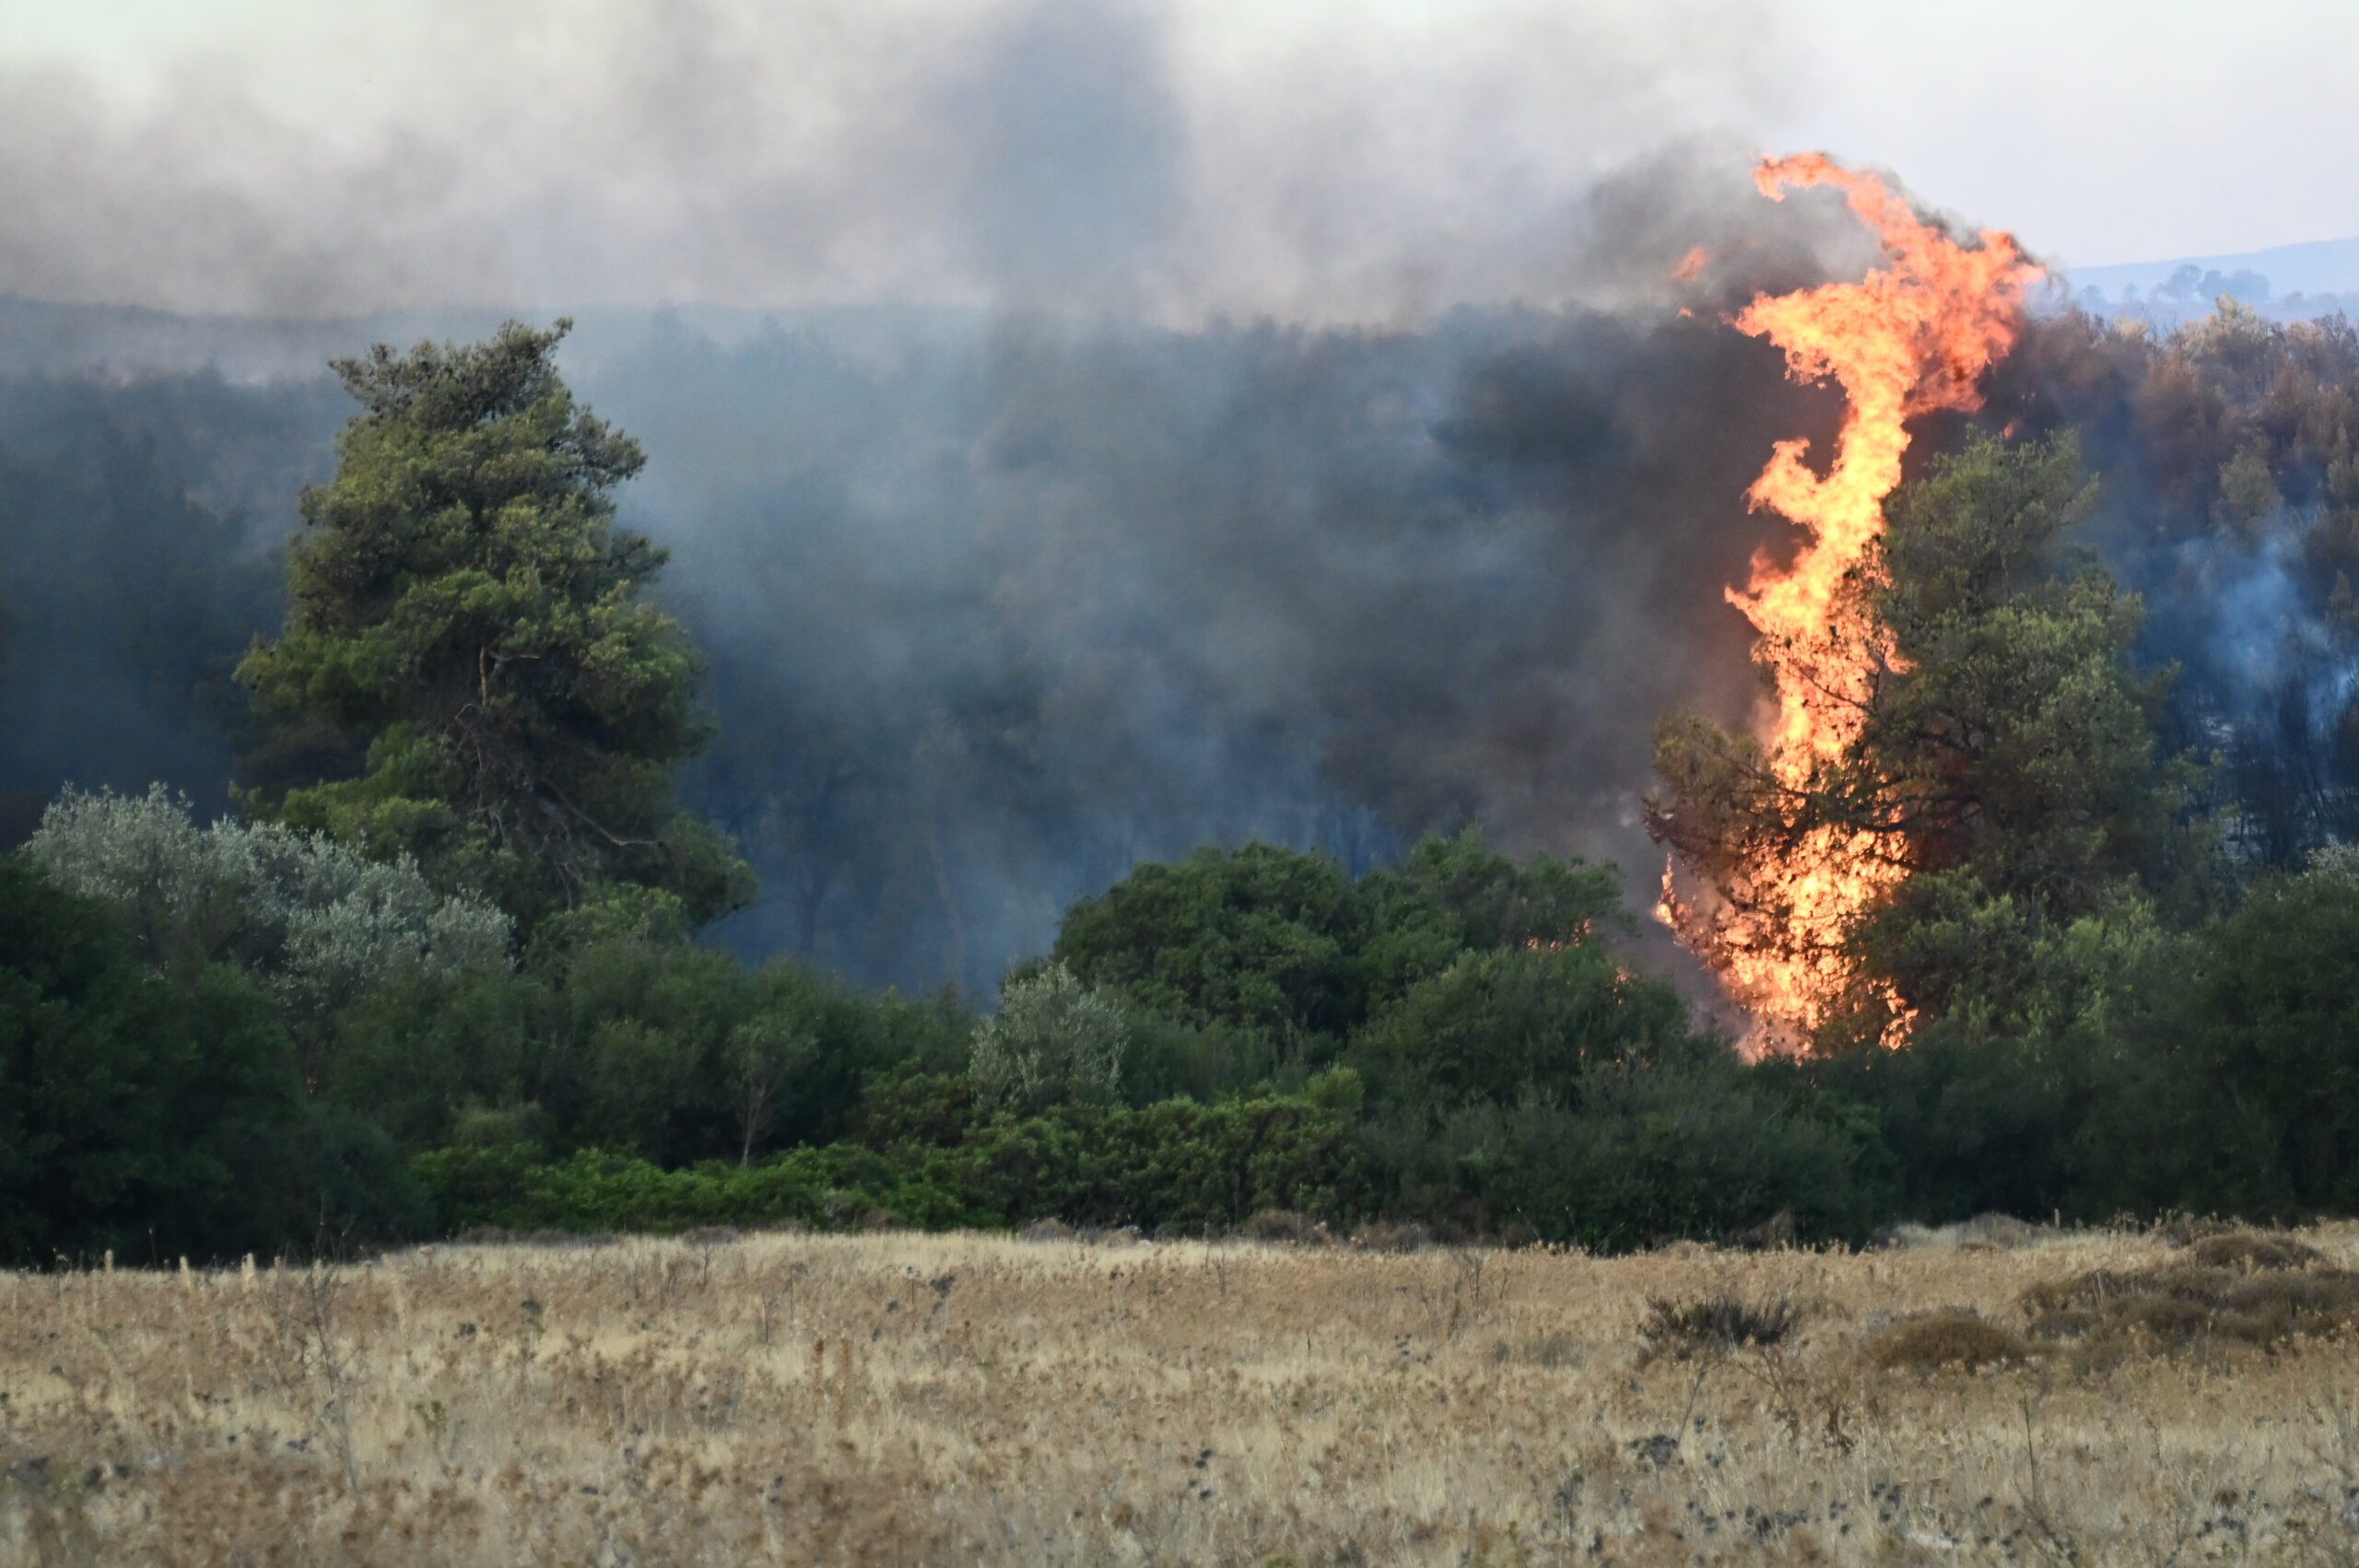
x=463 y=606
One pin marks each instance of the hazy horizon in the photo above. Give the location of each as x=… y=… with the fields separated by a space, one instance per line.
x=1171 y=161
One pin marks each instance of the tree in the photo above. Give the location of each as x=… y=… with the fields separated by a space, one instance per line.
x=462 y=600
x=2005 y=754
x=1052 y=1040
x=1518 y=1023
x=314 y=922
x=1456 y=895
x=2270 y=1021
x=762 y=1056
x=1258 y=937
x=153 y=1118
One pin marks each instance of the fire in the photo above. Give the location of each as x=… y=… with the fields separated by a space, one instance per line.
x=1912 y=337
x=1691 y=264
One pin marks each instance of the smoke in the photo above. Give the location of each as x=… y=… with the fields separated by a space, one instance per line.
x=994 y=618
x=999 y=603
x=1138 y=158
x=2225 y=501
x=1091 y=430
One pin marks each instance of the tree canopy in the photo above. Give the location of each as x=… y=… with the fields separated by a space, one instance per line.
x=2006 y=755
x=462 y=605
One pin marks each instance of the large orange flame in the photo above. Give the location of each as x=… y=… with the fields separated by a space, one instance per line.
x=1909 y=338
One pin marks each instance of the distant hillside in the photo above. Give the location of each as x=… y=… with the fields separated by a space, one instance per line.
x=2283 y=280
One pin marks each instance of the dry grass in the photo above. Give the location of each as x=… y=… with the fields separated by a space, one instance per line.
x=903 y=1398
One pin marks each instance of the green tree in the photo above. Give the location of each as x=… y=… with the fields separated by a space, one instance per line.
x=1054 y=1039
x=1456 y=895
x=2006 y=756
x=1519 y=1022
x=155 y=1118
x=2262 y=1066
x=315 y=922
x=1258 y=937
x=462 y=600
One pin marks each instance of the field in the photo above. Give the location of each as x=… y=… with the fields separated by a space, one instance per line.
x=1999 y=1396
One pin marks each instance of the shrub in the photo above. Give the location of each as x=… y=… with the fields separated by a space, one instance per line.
x=1947 y=1340
x=315 y=922
x=1176 y=1167
x=1054 y=1039
x=1715 y=1325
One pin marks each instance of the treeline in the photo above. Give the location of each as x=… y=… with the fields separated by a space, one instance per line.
x=442 y=970
x=343 y=1057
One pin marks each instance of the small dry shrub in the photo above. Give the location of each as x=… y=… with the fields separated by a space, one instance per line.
x=1048 y=1230
x=2244 y=1249
x=1943 y=1341
x=1716 y=1324
x=2230 y=1296
x=1391 y=1235
x=1285 y=1227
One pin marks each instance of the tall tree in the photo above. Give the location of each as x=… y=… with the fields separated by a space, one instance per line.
x=2006 y=755
x=463 y=603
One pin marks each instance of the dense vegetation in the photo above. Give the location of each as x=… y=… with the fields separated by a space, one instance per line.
x=450 y=974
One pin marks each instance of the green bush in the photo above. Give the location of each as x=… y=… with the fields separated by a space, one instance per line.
x=1522 y=1023
x=153 y=1118
x=1699 y=1150
x=1176 y=1167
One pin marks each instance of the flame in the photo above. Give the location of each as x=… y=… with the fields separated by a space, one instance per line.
x=1691 y=264
x=1912 y=337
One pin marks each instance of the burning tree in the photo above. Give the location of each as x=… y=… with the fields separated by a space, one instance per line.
x=2002 y=769
x=1790 y=844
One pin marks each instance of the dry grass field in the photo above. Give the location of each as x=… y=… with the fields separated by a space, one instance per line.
x=2093 y=1398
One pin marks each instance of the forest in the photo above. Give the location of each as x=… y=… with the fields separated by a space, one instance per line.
x=410 y=859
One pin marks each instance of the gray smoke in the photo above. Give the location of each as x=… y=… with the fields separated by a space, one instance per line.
x=1101 y=430
x=1140 y=157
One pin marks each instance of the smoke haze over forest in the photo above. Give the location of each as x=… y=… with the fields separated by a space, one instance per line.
x=1086 y=431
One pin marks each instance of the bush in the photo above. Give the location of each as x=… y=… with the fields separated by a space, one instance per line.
x=155 y=1119
x=1176 y=1167
x=1702 y=1151
x=1054 y=1039
x=593 y=1191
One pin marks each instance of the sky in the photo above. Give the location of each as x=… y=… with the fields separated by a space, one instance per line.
x=1177 y=158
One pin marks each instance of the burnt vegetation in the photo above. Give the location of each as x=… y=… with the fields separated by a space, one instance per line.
x=839 y=715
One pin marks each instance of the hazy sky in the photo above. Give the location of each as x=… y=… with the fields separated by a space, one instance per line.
x=1305 y=157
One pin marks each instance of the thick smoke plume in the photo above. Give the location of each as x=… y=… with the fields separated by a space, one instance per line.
x=1140 y=157
x=1088 y=431
x=1001 y=603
